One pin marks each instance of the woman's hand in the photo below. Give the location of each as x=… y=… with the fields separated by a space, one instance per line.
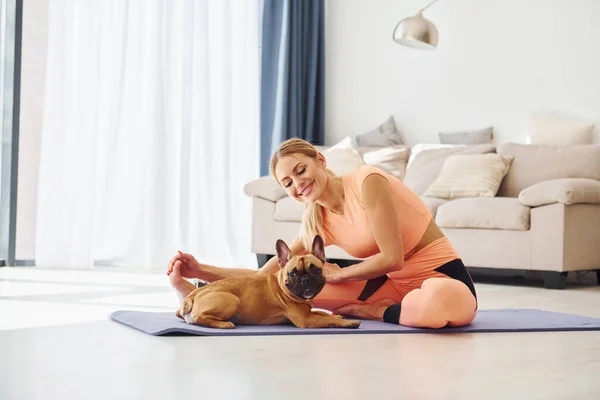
x=190 y=267
x=332 y=273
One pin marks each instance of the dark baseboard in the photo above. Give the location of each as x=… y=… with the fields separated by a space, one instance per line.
x=19 y=263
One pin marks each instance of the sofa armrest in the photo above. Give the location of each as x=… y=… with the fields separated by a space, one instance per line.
x=266 y=188
x=566 y=191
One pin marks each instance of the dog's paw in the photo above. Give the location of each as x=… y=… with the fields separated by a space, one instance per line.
x=227 y=325
x=352 y=324
x=219 y=324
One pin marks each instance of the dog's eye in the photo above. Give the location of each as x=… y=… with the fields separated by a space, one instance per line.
x=314 y=268
x=292 y=274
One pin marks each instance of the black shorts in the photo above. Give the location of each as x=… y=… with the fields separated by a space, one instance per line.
x=455 y=269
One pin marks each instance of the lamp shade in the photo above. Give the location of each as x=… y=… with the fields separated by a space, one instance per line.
x=416 y=31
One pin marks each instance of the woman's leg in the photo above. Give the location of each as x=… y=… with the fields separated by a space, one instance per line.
x=436 y=290
x=182 y=286
x=337 y=297
x=446 y=295
x=439 y=302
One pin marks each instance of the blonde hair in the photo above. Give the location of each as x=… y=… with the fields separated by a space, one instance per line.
x=312 y=220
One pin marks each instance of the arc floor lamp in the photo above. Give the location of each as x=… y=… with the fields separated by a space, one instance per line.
x=417 y=31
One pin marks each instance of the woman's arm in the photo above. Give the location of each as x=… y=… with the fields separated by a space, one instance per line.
x=191 y=268
x=383 y=220
x=211 y=273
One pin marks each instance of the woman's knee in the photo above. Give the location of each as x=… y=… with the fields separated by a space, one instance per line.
x=418 y=309
x=438 y=303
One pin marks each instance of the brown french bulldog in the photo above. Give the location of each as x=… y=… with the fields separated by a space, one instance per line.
x=266 y=300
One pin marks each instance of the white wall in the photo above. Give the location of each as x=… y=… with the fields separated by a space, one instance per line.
x=497 y=60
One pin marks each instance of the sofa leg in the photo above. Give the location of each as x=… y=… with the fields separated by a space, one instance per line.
x=262 y=259
x=555 y=280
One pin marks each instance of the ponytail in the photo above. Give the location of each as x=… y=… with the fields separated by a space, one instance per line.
x=312 y=220
x=312 y=224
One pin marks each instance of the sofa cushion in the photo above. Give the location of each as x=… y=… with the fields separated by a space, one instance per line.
x=537 y=163
x=384 y=135
x=392 y=159
x=265 y=187
x=484 y=213
x=433 y=204
x=288 y=209
x=475 y=136
x=557 y=130
x=421 y=147
x=425 y=167
x=471 y=175
x=343 y=157
x=566 y=191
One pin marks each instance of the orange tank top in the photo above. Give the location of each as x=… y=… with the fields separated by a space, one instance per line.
x=352 y=231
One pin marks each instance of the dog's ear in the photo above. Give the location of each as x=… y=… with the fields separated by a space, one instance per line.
x=318 y=248
x=283 y=252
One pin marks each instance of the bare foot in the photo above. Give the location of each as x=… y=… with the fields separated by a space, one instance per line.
x=179 y=283
x=365 y=311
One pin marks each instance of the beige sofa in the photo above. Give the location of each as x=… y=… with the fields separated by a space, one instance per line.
x=545 y=215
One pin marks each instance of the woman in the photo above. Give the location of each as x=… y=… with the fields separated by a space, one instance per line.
x=411 y=274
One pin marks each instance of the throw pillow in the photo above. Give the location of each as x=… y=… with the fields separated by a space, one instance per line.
x=559 y=131
x=426 y=166
x=343 y=157
x=473 y=175
x=390 y=159
x=566 y=191
x=384 y=135
x=420 y=147
x=477 y=136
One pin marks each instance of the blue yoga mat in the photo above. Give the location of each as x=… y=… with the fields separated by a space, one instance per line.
x=507 y=320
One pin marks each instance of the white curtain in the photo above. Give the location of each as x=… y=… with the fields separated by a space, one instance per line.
x=151 y=130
